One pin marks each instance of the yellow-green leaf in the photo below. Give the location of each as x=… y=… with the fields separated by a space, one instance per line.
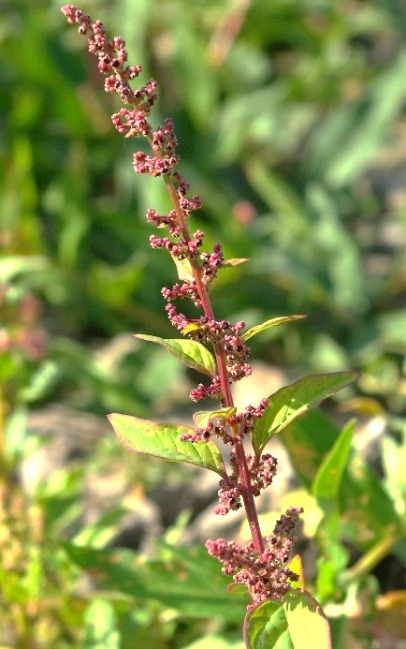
x=190 y=352
x=184 y=268
x=296 y=565
x=163 y=440
x=296 y=623
x=274 y=322
x=294 y=400
x=203 y=417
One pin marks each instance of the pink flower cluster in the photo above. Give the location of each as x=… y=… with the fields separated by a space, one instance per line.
x=266 y=576
x=262 y=472
x=263 y=572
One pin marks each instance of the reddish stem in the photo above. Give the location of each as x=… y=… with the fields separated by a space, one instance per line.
x=246 y=488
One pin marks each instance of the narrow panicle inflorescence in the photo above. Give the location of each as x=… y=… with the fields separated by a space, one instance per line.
x=262 y=570
x=266 y=575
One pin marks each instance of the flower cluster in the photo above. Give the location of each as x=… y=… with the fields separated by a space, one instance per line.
x=262 y=570
x=266 y=575
x=262 y=472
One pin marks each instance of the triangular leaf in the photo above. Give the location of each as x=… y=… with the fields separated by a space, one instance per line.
x=327 y=480
x=203 y=417
x=296 y=623
x=274 y=322
x=163 y=440
x=294 y=400
x=190 y=352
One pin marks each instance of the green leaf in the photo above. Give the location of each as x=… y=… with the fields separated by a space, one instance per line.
x=186 y=579
x=294 y=400
x=296 y=623
x=328 y=478
x=163 y=440
x=274 y=322
x=308 y=440
x=203 y=417
x=190 y=352
x=100 y=629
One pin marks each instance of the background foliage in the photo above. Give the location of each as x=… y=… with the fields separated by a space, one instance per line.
x=291 y=121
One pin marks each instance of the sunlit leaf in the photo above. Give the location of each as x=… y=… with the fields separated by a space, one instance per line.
x=294 y=400
x=296 y=565
x=163 y=440
x=274 y=322
x=190 y=352
x=191 y=327
x=13 y=265
x=203 y=417
x=184 y=268
x=296 y=623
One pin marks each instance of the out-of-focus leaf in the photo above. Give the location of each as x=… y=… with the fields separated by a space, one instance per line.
x=394 y=461
x=294 y=400
x=274 y=322
x=190 y=352
x=325 y=488
x=16 y=265
x=41 y=381
x=308 y=440
x=386 y=332
x=279 y=196
x=215 y=642
x=100 y=629
x=296 y=623
x=194 y=72
x=328 y=478
x=377 y=518
x=346 y=142
x=188 y=580
x=339 y=252
x=163 y=440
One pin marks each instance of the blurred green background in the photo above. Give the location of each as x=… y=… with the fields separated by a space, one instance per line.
x=291 y=123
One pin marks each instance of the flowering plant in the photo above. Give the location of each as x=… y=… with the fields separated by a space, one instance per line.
x=217 y=349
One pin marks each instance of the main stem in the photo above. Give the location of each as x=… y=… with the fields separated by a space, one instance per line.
x=246 y=488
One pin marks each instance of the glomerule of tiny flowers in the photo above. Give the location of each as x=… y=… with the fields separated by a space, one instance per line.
x=266 y=575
